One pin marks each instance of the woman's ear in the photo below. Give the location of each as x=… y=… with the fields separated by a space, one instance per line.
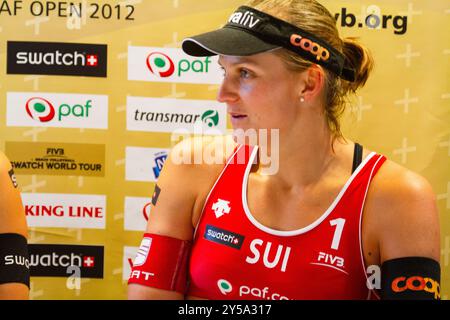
x=314 y=81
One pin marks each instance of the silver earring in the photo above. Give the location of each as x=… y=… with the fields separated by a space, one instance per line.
x=302 y=99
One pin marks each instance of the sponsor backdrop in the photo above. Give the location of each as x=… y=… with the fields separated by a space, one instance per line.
x=91 y=90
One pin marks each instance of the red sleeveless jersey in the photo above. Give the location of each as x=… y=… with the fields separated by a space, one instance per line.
x=236 y=257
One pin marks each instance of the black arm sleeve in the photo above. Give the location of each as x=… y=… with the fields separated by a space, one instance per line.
x=14 y=260
x=411 y=278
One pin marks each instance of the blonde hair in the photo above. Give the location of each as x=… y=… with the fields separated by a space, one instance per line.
x=311 y=16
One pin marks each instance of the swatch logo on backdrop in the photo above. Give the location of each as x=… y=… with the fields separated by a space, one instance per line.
x=56 y=58
x=175 y=115
x=171 y=65
x=54 y=260
x=59 y=110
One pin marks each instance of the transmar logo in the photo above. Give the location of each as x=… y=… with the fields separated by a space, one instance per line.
x=211 y=118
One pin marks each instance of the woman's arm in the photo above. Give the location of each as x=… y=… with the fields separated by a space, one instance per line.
x=177 y=205
x=408 y=234
x=12 y=221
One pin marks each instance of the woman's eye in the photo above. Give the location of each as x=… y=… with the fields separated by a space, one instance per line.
x=245 y=74
x=223 y=71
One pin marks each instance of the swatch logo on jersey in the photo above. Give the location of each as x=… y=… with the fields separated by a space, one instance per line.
x=56 y=58
x=171 y=65
x=53 y=260
x=225 y=237
x=57 y=110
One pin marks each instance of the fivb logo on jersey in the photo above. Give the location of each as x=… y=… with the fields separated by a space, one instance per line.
x=43 y=109
x=171 y=65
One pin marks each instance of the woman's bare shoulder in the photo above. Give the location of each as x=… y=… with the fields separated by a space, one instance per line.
x=185 y=181
x=403 y=204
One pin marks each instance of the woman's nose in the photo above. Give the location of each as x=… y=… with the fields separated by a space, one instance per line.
x=227 y=91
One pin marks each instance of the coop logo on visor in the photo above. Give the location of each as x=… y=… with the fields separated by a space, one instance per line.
x=320 y=52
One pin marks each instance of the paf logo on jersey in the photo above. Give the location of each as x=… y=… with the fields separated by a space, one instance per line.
x=171 y=65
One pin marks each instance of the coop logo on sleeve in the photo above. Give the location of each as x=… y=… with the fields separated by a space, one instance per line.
x=137 y=211
x=65 y=210
x=144 y=164
x=62 y=159
x=170 y=115
x=171 y=65
x=56 y=58
x=53 y=260
x=59 y=110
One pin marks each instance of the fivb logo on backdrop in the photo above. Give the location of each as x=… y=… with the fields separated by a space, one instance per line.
x=59 y=110
x=171 y=65
x=175 y=115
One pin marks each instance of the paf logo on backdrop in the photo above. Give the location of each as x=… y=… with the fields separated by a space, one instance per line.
x=56 y=58
x=57 y=110
x=171 y=65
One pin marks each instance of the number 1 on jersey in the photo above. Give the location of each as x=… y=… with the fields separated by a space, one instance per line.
x=339 y=223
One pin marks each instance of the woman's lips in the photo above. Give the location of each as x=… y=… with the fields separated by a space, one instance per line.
x=237 y=115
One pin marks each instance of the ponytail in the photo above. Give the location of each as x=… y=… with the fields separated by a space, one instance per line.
x=359 y=59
